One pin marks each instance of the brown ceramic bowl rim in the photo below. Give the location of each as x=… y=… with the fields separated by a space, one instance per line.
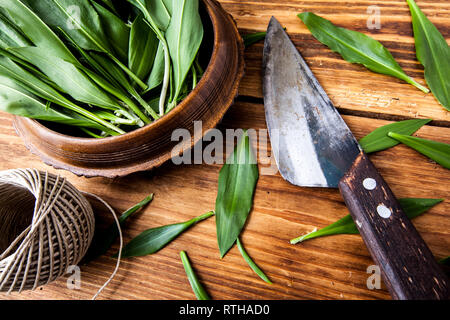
x=60 y=137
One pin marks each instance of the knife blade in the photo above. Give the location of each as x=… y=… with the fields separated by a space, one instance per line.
x=313 y=147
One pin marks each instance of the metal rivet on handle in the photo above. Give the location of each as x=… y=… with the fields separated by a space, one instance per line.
x=369 y=183
x=384 y=211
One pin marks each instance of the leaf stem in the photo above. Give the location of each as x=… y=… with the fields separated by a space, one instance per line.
x=197 y=287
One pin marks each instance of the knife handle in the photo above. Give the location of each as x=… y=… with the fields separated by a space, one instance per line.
x=407 y=265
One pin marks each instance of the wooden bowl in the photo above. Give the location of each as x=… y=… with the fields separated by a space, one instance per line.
x=151 y=146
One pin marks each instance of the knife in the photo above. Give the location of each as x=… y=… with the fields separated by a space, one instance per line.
x=313 y=147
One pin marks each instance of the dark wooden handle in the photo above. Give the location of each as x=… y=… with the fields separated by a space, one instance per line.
x=408 y=267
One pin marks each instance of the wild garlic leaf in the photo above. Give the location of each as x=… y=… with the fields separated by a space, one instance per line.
x=109 y=4
x=437 y=151
x=356 y=47
x=67 y=76
x=117 y=31
x=14 y=99
x=36 y=30
x=10 y=36
x=157 y=73
x=77 y=18
x=102 y=241
x=252 y=38
x=237 y=182
x=153 y=240
x=251 y=263
x=184 y=37
x=41 y=89
x=378 y=139
x=142 y=48
x=82 y=23
x=197 y=287
x=412 y=207
x=434 y=53
x=117 y=74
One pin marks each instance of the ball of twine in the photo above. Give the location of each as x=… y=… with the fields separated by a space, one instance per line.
x=46 y=226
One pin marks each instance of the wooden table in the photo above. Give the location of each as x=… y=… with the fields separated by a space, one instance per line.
x=326 y=268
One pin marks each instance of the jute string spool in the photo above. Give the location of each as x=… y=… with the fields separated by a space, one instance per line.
x=46 y=225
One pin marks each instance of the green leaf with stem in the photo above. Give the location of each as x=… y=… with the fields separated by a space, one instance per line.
x=237 y=183
x=67 y=76
x=197 y=287
x=437 y=151
x=184 y=37
x=143 y=46
x=118 y=74
x=82 y=23
x=433 y=52
x=143 y=5
x=39 y=88
x=251 y=263
x=117 y=31
x=16 y=100
x=356 y=47
x=252 y=38
x=153 y=240
x=104 y=240
x=412 y=207
x=156 y=76
x=378 y=139
x=36 y=30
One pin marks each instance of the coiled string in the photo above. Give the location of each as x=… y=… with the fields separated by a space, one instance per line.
x=58 y=236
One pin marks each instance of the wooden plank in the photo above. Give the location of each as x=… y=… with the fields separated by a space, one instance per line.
x=326 y=268
x=351 y=87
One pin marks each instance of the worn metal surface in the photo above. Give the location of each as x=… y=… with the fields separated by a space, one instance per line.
x=311 y=142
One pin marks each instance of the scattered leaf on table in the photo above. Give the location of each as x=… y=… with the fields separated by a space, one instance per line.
x=153 y=240
x=251 y=263
x=437 y=151
x=237 y=182
x=433 y=52
x=356 y=47
x=197 y=287
x=104 y=240
x=412 y=207
x=378 y=139
x=252 y=38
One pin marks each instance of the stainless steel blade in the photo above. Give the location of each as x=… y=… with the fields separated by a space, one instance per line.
x=311 y=142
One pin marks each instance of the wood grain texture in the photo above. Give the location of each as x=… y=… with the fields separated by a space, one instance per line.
x=326 y=268
x=351 y=87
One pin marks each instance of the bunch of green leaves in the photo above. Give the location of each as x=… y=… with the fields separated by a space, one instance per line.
x=92 y=68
